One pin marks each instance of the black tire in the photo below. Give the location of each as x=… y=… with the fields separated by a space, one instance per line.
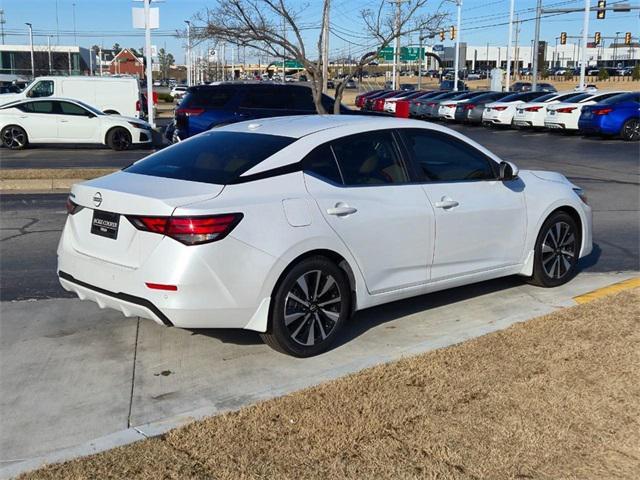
x=631 y=130
x=298 y=323
x=14 y=137
x=556 y=251
x=119 y=139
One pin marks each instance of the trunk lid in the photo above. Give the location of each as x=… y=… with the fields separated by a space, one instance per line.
x=101 y=229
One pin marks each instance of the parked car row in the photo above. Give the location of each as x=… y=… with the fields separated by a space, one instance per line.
x=608 y=113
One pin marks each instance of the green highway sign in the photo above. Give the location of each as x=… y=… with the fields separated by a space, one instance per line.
x=407 y=54
x=292 y=64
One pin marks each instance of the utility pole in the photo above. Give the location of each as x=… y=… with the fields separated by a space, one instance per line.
x=325 y=46
x=516 y=70
x=149 y=72
x=536 y=46
x=396 y=53
x=420 y=54
x=49 y=51
x=188 y=52
x=457 y=61
x=75 y=38
x=33 y=65
x=100 y=59
x=585 y=34
x=508 y=80
x=2 y=22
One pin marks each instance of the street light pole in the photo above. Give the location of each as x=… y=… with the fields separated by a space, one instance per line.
x=457 y=60
x=149 y=72
x=33 y=65
x=325 y=47
x=536 y=46
x=188 y=52
x=508 y=80
x=585 y=34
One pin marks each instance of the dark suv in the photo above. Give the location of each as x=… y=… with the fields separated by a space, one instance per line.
x=208 y=106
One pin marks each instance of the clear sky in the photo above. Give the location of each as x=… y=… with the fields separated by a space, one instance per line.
x=105 y=22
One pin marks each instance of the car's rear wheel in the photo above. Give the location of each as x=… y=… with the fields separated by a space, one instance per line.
x=119 y=139
x=310 y=305
x=631 y=130
x=556 y=251
x=14 y=137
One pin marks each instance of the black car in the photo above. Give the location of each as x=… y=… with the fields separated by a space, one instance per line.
x=209 y=106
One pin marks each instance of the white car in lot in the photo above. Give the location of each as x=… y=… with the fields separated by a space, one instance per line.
x=447 y=108
x=565 y=115
x=503 y=111
x=532 y=114
x=178 y=92
x=269 y=225
x=63 y=120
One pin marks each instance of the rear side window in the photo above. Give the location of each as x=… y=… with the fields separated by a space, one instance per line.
x=279 y=98
x=37 y=107
x=321 y=163
x=208 y=97
x=443 y=158
x=370 y=158
x=213 y=157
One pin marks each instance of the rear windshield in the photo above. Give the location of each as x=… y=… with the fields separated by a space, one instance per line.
x=623 y=97
x=212 y=157
x=216 y=97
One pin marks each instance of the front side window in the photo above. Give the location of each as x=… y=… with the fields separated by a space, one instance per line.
x=44 y=88
x=68 y=108
x=443 y=158
x=370 y=159
x=213 y=157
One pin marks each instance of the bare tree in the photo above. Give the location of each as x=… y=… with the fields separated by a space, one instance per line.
x=262 y=25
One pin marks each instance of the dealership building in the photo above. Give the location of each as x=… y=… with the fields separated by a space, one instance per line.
x=47 y=59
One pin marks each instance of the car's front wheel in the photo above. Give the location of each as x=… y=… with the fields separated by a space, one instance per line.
x=14 y=137
x=310 y=305
x=631 y=130
x=556 y=251
x=119 y=139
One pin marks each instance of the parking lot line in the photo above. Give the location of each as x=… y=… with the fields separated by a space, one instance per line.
x=601 y=292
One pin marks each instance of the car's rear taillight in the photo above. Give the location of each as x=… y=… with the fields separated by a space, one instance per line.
x=431 y=104
x=73 y=207
x=189 y=230
x=469 y=106
x=449 y=105
x=565 y=109
x=500 y=108
x=532 y=109
x=190 y=112
x=137 y=105
x=417 y=104
x=602 y=111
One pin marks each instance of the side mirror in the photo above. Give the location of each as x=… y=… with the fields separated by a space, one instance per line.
x=508 y=171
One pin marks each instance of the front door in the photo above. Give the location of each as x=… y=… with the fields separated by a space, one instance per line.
x=480 y=221
x=76 y=123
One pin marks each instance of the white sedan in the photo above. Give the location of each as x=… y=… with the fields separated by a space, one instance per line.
x=565 y=115
x=63 y=120
x=503 y=111
x=267 y=225
x=532 y=114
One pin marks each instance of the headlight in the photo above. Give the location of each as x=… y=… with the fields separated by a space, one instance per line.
x=140 y=125
x=581 y=194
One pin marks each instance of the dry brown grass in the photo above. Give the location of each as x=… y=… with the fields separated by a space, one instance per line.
x=47 y=173
x=555 y=397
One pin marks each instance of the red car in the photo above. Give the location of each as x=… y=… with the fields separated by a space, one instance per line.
x=362 y=98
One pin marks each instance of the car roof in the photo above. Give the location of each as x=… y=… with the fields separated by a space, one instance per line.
x=298 y=126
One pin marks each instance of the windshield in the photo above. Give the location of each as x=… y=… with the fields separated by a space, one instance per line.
x=216 y=157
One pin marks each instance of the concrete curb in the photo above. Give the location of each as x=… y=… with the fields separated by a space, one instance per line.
x=30 y=184
x=130 y=435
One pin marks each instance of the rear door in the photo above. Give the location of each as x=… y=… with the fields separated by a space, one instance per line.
x=479 y=221
x=40 y=121
x=362 y=187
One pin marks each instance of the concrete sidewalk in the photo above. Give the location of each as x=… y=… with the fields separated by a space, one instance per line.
x=76 y=379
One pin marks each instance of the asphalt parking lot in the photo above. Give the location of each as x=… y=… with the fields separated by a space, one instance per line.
x=75 y=373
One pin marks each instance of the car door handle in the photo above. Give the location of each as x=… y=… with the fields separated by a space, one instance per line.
x=341 y=210
x=64 y=121
x=446 y=203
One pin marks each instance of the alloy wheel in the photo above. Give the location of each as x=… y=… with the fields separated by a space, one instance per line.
x=14 y=137
x=312 y=307
x=121 y=139
x=632 y=130
x=559 y=250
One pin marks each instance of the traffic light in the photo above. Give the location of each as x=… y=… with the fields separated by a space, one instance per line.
x=442 y=36
x=627 y=38
x=601 y=12
x=597 y=38
x=453 y=32
x=563 y=38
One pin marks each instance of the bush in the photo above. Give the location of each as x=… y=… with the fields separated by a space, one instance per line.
x=568 y=75
x=544 y=73
x=165 y=97
x=603 y=74
x=635 y=74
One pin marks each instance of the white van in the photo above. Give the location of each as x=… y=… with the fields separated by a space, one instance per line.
x=114 y=95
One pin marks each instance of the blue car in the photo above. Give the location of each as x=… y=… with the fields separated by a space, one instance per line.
x=208 y=106
x=616 y=116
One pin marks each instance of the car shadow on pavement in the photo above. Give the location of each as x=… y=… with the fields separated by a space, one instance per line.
x=229 y=335
x=591 y=259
